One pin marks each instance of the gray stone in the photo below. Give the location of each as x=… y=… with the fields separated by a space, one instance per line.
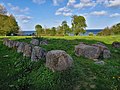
x=58 y=60
x=116 y=44
x=38 y=53
x=44 y=42
x=21 y=47
x=34 y=42
x=87 y=51
x=27 y=50
x=100 y=62
x=106 y=54
x=10 y=43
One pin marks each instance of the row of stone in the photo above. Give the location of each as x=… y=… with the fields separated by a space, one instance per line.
x=56 y=60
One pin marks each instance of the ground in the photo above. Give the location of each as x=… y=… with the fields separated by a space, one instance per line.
x=18 y=72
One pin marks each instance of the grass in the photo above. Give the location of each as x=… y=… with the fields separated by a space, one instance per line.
x=18 y=72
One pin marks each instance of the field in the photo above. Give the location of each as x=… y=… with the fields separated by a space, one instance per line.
x=18 y=72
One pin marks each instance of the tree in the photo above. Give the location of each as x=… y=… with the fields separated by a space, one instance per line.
x=78 y=24
x=65 y=28
x=3 y=10
x=8 y=25
x=39 y=30
x=53 y=31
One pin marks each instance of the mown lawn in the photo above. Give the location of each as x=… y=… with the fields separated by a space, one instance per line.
x=18 y=72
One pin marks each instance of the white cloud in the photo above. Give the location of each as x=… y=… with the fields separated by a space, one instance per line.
x=24 y=18
x=56 y=2
x=18 y=9
x=39 y=1
x=115 y=15
x=113 y=3
x=71 y=2
x=64 y=11
x=99 y=13
x=85 y=3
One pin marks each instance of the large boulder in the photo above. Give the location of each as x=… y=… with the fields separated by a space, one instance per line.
x=88 y=51
x=21 y=47
x=38 y=53
x=58 y=60
x=116 y=44
x=27 y=50
x=34 y=41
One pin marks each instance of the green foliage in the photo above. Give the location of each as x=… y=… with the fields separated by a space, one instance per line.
x=39 y=30
x=91 y=34
x=8 y=25
x=19 y=73
x=114 y=30
x=78 y=24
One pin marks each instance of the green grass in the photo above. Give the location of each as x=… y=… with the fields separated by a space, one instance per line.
x=17 y=72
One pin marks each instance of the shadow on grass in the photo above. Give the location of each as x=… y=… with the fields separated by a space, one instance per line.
x=20 y=73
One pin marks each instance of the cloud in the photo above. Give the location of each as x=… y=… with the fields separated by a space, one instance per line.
x=24 y=18
x=113 y=3
x=99 y=13
x=18 y=9
x=56 y=2
x=109 y=3
x=64 y=11
x=115 y=15
x=81 y=4
x=71 y=2
x=39 y=1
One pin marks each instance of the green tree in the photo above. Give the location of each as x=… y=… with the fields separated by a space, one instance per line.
x=78 y=24
x=53 y=31
x=65 y=27
x=39 y=30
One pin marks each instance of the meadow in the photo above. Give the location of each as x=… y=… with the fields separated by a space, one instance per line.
x=18 y=72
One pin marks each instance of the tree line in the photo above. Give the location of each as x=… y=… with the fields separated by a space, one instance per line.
x=78 y=27
x=114 y=30
x=8 y=24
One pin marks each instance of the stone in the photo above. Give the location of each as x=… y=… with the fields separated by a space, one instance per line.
x=5 y=41
x=34 y=42
x=106 y=54
x=116 y=44
x=21 y=47
x=17 y=44
x=27 y=50
x=44 y=42
x=87 y=51
x=38 y=53
x=100 y=62
x=101 y=46
x=58 y=60
x=10 y=43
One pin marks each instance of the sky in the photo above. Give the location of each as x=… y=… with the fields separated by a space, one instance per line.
x=50 y=13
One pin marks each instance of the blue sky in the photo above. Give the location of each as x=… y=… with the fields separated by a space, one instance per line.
x=49 y=13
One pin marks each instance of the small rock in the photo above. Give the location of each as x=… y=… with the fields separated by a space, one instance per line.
x=100 y=62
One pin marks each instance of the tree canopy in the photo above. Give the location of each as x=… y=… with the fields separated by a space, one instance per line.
x=8 y=23
x=78 y=24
